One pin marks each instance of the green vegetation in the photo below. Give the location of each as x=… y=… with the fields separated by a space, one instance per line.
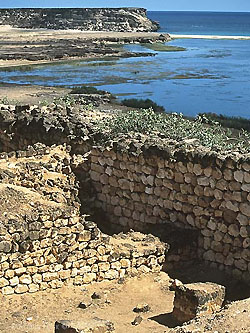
x=173 y=127
x=6 y=101
x=143 y=104
x=67 y=101
x=229 y=122
x=87 y=90
x=161 y=47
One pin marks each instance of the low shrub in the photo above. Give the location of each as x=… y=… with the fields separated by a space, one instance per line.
x=142 y=104
x=238 y=123
x=173 y=127
x=87 y=90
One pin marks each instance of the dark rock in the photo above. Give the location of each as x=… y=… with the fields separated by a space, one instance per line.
x=142 y=308
x=137 y=321
x=96 y=296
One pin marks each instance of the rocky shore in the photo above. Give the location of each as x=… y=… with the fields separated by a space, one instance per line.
x=22 y=47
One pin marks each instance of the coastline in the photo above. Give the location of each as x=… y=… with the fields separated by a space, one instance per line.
x=22 y=47
x=174 y=36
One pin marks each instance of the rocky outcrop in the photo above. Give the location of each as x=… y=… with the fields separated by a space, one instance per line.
x=92 y=19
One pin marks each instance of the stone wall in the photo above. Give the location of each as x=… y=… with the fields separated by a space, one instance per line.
x=92 y=19
x=210 y=194
x=150 y=185
x=45 y=241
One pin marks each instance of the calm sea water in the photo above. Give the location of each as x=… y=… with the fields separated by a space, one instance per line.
x=210 y=76
x=203 y=23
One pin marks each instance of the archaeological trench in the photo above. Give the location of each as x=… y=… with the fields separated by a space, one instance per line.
x=60 y=185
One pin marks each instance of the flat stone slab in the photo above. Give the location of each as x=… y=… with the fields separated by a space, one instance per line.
x=95 y=325
x=197 y=299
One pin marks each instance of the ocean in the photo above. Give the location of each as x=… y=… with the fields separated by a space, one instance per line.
x=203 y=23
x=209 y=76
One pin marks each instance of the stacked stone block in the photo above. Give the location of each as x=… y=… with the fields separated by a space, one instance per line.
x=45 y=241
x=208 y=193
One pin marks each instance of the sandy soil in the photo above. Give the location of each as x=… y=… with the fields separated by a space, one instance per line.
x=38 y=312
x=27 y=94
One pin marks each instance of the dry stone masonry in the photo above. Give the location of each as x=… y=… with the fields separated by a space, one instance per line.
x=45 y=241
x=194 y=190
x=144 y=184
x=89 y=19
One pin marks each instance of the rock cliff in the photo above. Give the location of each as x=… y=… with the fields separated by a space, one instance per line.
x=92 y=19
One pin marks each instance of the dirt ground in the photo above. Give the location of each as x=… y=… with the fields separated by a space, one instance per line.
x=37 y=313
x=28 y=94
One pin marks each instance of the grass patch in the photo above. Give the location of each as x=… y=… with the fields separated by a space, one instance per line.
x=142 y=104
x=160 y=47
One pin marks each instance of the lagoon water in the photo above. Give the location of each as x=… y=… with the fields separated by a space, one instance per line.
x=210 y=76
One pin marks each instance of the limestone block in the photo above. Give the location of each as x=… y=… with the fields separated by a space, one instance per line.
x=197 y=299
x=241 y=264
x=246 y=243
x=7 y=290
x=228 y=174
x=203 y=181
x=103 y=266
x=245 y=209
x=21 y=288
x=111 y=274
x=9 y=274
x=233 y=230
x=239 y=176
x=94 y=325
x=245 y=187
x=37 y=278
x=33 y=288
x=3 y=282
x=125 y=263
x=84 y=236
x=14 y=281
x=235 y=186
x=49 y=276
x=197 y=169
x=89 y=277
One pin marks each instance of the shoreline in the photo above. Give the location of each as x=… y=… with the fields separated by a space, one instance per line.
x=24 y=47
x=174 y=36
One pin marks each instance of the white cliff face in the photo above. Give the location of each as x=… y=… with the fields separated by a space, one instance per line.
x=92 y=19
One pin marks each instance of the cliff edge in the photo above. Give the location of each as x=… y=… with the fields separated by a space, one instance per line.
x=89 y=19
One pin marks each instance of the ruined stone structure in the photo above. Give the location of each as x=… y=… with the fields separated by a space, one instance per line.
x=142 y=184
x=211 y=194
x=89 y=19
x=45 y=241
